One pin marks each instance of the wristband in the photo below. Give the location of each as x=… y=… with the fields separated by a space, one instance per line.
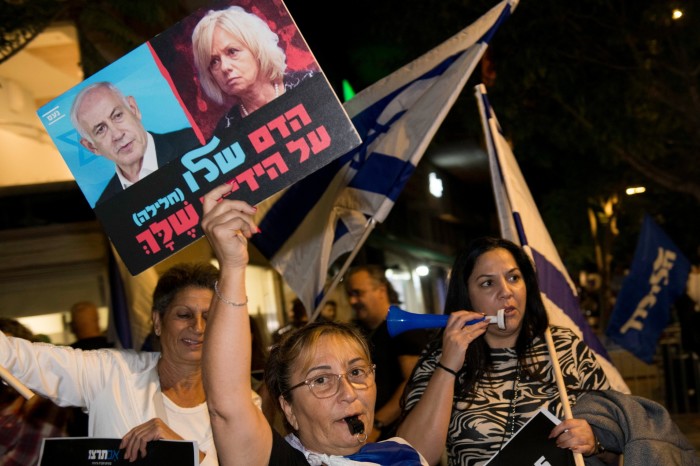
x=598 y=448
x=446 y=369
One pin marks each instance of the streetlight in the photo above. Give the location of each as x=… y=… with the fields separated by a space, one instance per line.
x=422 y=270
x=635 y=190
x=435 y=185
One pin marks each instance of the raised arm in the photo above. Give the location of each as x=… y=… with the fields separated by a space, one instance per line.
x=241 y=433
x=426 y=425
x=55 y=372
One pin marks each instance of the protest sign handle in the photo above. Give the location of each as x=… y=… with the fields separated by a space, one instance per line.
x=15 y=383
x=578 y=458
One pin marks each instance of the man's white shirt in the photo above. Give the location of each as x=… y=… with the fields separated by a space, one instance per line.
x=150 y=163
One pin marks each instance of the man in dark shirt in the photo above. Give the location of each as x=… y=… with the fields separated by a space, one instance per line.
x=370 y=294
x=85 y=325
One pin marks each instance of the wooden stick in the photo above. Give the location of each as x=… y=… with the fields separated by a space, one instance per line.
x=15 y=383
x=578 y=457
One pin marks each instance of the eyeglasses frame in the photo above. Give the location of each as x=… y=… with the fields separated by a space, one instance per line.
x=308 y=383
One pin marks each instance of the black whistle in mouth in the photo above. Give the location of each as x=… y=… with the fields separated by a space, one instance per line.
x=355 y=425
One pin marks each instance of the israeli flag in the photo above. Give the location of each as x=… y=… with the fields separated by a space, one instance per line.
x=308 y=226
x=521 y=223
x=657 y=277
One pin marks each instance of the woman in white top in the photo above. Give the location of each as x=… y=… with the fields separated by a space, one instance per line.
x=135 y=396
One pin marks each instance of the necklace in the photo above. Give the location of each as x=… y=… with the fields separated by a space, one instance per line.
x=513 y=402
x=244 y=111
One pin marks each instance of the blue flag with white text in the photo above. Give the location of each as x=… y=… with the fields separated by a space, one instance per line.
x=306 y=227
x=520 y=222
x=657 y=277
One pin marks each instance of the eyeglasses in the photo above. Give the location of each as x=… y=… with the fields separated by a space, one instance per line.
x=327 y=385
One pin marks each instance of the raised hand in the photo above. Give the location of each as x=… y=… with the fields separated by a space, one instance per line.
x=458 y=336
x=228 y=224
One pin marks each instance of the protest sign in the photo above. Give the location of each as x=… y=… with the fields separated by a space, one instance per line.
x=531 y=446
x=84 y=451
x=172 y=119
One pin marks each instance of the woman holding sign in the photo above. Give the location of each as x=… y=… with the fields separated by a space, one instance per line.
x=478 y=384
x=321 y=375
x=138 y=397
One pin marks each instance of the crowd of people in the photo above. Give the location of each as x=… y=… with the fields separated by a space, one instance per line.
x=320 y=394
x=326 y=392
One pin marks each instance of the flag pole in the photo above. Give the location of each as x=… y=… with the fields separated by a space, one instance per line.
x=563 y=396
x=558 y=376
x=14 y=382
x=371 y=223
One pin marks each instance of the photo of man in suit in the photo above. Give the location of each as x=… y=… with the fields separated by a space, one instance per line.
x=109 y=124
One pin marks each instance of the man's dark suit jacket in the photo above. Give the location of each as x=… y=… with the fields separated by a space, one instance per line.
x=169 y=146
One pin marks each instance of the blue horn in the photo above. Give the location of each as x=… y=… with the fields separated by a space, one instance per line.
x=399 y=321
